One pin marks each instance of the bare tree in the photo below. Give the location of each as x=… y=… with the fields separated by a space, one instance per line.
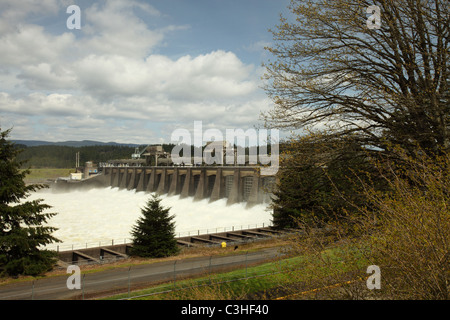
x=378 y=73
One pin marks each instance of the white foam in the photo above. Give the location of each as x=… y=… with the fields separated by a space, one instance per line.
x=100 y=215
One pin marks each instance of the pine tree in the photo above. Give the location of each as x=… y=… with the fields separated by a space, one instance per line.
x=22 y=230
x=154 y=233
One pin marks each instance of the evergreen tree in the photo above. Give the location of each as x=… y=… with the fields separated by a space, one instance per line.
x=317 y=181
x=154 y=233
x=22 y=232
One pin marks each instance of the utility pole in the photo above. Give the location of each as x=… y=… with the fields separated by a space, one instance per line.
x=77 y=161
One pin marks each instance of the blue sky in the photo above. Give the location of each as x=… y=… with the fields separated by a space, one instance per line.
x=238 y=26
x=136 y=70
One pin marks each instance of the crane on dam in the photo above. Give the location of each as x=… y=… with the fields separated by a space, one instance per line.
x=137 y=154
x=156 y=151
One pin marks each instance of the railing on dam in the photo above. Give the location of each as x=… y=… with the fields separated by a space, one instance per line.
x=236 y=184
x=126 y=240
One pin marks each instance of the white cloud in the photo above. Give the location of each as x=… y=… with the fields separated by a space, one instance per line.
x=40 y=104
x=107 y=81
x=115 y=29
x=29 y=44
x=47 y=76
x=13 y=11
x=211 y=76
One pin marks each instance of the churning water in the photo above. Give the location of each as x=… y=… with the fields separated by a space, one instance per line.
x=98 y=216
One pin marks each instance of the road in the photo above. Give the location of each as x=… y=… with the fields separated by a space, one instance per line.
x=118 y=279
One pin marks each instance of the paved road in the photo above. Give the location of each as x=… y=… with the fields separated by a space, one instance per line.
x=93 y=284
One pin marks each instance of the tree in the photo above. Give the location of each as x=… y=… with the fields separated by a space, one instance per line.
x=387 y=84
x=22 y=223
x=316 y=180
x=405 y=232
x=408 y=232
x=154 y=233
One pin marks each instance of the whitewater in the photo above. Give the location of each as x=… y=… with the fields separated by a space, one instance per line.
x=106 y=215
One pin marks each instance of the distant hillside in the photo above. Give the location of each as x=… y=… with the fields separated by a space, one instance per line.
x=83 y=143
x=56 y=156
x=63 y=156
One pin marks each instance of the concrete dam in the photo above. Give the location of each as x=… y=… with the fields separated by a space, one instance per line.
x=235 y=183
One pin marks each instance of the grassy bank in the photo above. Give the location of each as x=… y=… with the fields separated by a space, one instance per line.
x=286 y=278
x=40 y=175
x=239 y=283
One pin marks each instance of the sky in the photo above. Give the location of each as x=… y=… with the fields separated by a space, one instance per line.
x=135 y=70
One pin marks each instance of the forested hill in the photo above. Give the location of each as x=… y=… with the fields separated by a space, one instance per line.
x=55 y=156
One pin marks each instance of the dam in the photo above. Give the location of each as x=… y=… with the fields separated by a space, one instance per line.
x=235 y=183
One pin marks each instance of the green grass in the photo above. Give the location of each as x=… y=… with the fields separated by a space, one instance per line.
x=237 y=282
x=338 y=264
x=47 y=173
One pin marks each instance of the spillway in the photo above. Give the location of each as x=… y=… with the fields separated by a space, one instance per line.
x=100 y=215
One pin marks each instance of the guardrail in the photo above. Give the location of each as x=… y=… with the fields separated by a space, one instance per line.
x=179 y=234
x=170 y=277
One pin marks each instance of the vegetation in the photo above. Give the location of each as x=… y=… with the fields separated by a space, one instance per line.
x=237 y=284
x=408 y=233
x=40 y=175
x=23 y=227
x=386 y=85
x=270 y=280
x=55 y=156
x=154 y=233
x=315 y=175
x=404 y=231
x=371 y=170
x=321 y=79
